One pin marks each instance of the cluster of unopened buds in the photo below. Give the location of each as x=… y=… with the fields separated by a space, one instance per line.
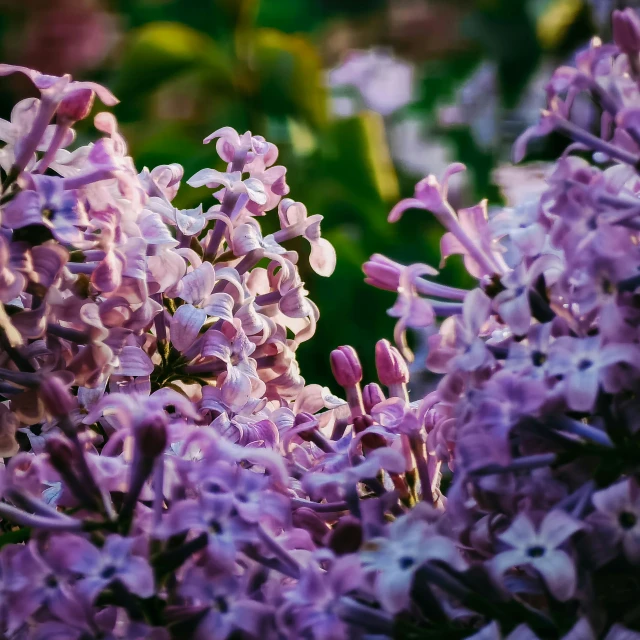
x=169 y=474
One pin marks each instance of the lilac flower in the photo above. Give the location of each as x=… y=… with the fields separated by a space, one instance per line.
x=410 y=543
x=213 y=515
x=583 y=364
x=513 y=303
x=43 y=82
x=164 y=459
x=50 y=205
x=468 y=230
x=34 y=585
x=294 y=220
x=196 y=289
x=310 y=607
x=539 y=549
x=458 y=345
x=251 y=187
x=228 y=608
x=22 y=118
x=618 y=512
x=98 y=568
x=384 y=82
x=231 y=347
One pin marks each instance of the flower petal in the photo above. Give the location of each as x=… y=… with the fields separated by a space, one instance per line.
x=185 y=326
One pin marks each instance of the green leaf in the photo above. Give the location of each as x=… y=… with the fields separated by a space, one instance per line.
x=358 y=156
x=15 y=537
x=239 y=12
x=288 y=75
x=506 y=32
x=158 y=51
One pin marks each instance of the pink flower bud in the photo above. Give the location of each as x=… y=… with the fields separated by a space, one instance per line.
x=372 y=395
x=382 y=273
x=391 y=367
x=56 y=397
x=75 y=106
x=345 y=366
x=626 y=31
x=304 y=518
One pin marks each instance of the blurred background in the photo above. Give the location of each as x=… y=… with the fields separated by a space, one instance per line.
x=363 y=98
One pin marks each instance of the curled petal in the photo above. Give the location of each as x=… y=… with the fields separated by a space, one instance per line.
x=323 y=257
x=219 y=305
x=294 y=304
x=404 y=205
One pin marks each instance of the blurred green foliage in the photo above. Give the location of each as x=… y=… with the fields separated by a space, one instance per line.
x=184 y=68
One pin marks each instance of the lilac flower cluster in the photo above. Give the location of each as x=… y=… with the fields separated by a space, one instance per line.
x=169 y=474
x=536 y=412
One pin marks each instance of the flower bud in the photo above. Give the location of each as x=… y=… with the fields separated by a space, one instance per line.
x=345 y=366
x=382 y=273
x=151 y=437
x=61 y=454
x=304 y=518
x=626 y=31
x=75 y=106
x=391 y=367
x=370 y=440
x=56 y=397
x=304 y=419
x=372 y=395
x=347 y=536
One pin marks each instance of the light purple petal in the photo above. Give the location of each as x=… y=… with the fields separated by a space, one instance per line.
x=219 y=305
x=215 y=344
x=255 y=190
x=404 y=205
x=134 y=362
x=138 y=577
x=198 y=284
x=557 y=527
x=212 y=178
x=185 y=326
x=520 y=534
x=522 y=632
x=559 y=573
x=154 y=230
x=613 y=499
x=504 y=561
x=236 y=388
x=475 y=310
x=515 y=311
x=393 y=587
x=166 y=269
x=614 y=353
x=245 y=238
x=582 y=389
x=24 y=209
x=323 y=257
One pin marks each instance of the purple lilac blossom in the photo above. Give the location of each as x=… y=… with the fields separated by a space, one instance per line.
x=168 y=473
